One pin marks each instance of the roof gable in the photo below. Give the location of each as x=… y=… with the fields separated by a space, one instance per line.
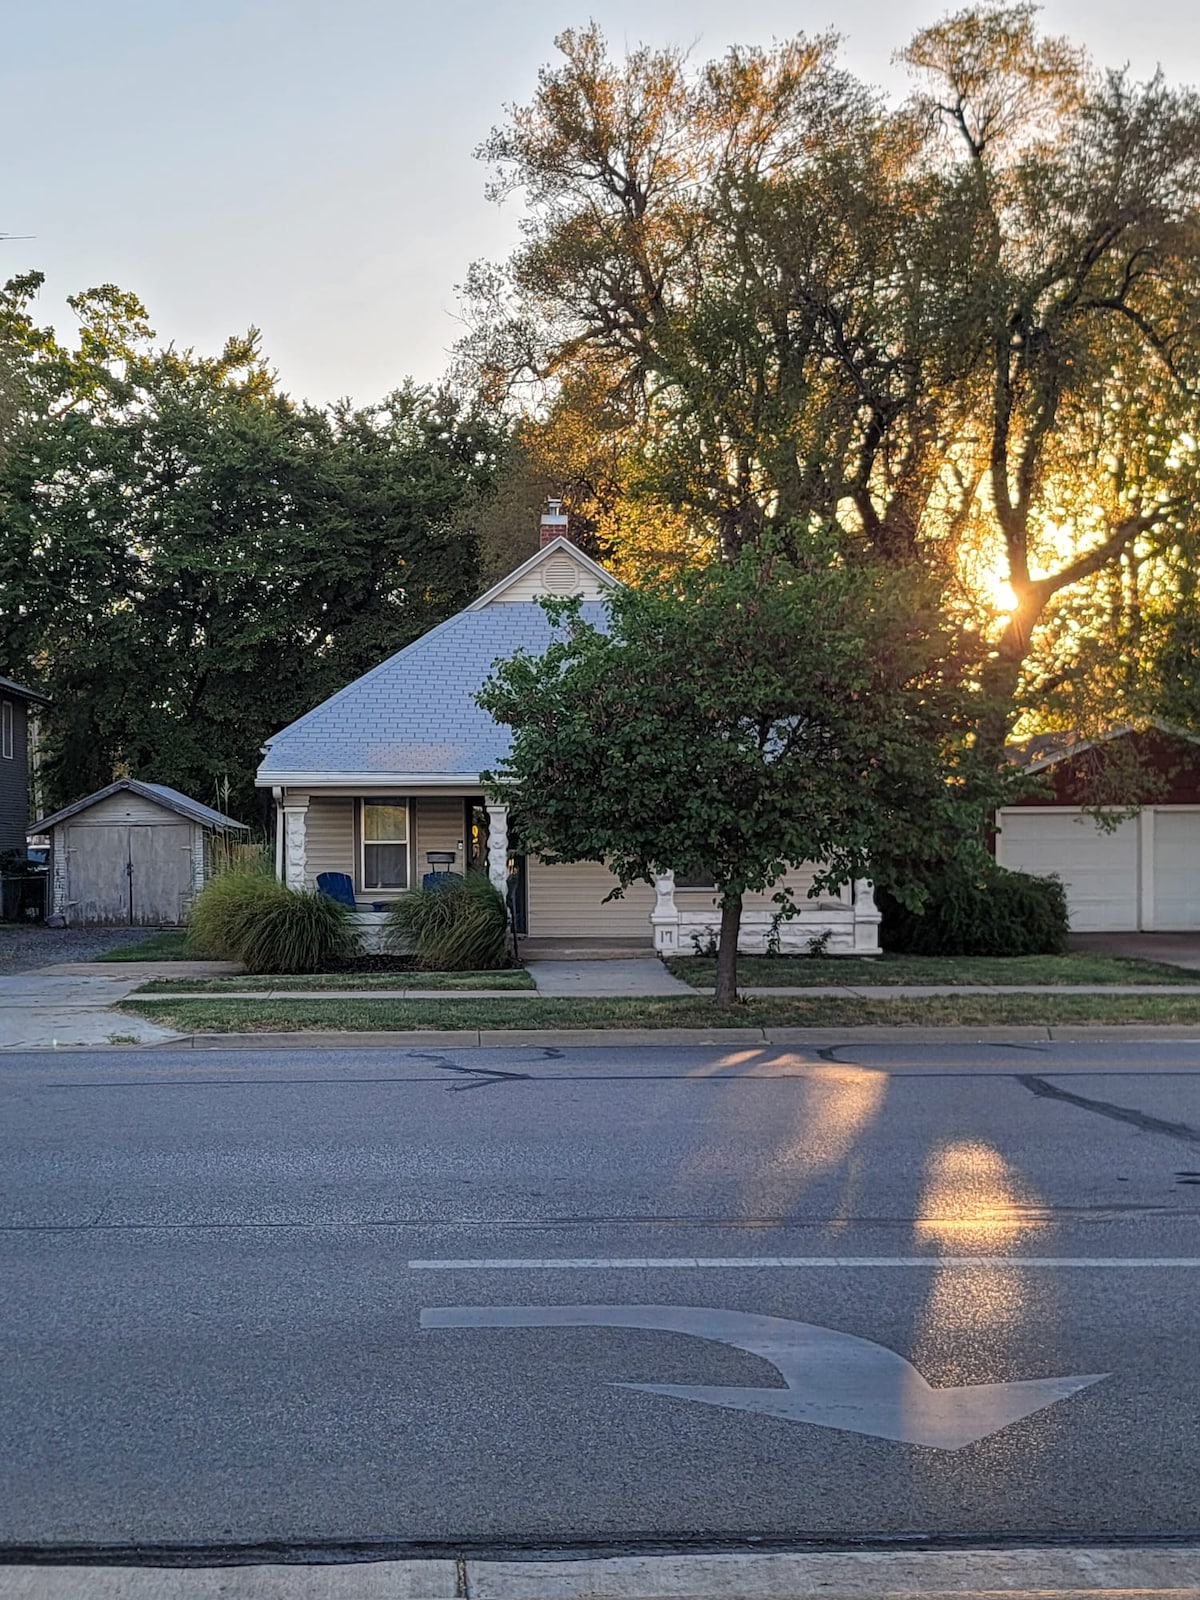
x=559 y=569
x=159 y=793
x=1048 y=750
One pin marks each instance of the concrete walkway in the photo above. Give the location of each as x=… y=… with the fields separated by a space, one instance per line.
x=139 y=970
x=614 y=977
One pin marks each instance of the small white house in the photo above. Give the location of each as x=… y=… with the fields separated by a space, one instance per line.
x=386 y=773
x=131 y=855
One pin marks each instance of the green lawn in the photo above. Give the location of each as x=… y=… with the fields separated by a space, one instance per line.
x=509 y=979
x=282 y=1016
x=789 y=971
x=158 y=947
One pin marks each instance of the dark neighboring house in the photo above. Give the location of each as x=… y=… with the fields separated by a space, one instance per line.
x=16 y=706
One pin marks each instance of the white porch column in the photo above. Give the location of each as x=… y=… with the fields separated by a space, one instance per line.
x=295 y=840
x=867 y=918
x=664 y=919
x=497 y=848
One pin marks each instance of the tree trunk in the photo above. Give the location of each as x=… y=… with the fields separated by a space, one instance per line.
x=731 y=925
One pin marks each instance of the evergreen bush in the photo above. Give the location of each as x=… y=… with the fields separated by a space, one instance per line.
x=993 y=912
x=456 y=926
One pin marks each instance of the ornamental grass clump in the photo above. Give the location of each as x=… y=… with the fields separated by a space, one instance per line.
x=249 y=917
x=300 y=930
x=460 y=925
x=222 y=913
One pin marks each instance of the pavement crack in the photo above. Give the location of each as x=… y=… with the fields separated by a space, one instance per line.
x=480 y=1077
x=1105 y=1108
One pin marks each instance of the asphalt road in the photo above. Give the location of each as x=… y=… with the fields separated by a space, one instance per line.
x=211 y=1320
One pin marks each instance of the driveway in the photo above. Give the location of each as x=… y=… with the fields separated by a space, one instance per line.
x=43 y=1012
x=1179 y=949
x=28 y=946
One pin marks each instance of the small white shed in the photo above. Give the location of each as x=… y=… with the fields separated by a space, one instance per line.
x=130 y=855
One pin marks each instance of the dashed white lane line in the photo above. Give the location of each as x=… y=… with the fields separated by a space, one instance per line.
x=759 y=1263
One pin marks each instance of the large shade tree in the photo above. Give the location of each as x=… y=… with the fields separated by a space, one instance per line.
x=965 y=327
x=748 y=718
x=189 y=559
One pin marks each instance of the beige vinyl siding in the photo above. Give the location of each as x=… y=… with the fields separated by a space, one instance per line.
x=439 y=827
x=329 y=826
x=566 y=902
x=125 y=807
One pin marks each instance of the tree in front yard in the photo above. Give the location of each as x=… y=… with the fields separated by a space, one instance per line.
x=745 y=719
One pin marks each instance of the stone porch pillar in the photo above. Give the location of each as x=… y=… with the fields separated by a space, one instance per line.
x=497 y=847
x=664 y=919
x=867 y=918
x=294 y=821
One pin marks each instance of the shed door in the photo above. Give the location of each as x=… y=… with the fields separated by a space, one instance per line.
x=161 y=858
x=1176 y=870
x=98 y=874
x=1100 y=871
x=128 y=874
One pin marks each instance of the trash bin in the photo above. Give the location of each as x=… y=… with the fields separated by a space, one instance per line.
x=23 y=897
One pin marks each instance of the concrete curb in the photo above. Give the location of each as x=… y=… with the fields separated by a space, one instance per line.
x=663 y=1038
x=1050 y=1574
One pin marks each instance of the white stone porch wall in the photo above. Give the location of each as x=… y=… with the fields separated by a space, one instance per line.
x=369 y=927
x=682 y=916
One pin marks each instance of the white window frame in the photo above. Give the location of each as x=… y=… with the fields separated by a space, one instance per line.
x=7 y=723
x=397 y=800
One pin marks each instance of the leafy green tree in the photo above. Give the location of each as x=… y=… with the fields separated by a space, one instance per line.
x=966 y=327
x=744 y=719
x=189 y=559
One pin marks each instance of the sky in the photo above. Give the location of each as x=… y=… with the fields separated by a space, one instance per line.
x=307 y=166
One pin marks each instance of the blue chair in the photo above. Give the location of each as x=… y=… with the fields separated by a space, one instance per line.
x=338 y=886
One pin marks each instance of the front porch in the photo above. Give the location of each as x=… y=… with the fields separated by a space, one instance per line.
x=382 y=842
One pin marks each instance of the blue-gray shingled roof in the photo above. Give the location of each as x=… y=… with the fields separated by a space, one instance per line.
x=415 y=713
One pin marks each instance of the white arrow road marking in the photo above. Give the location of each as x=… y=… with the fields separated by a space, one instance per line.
x=833 y=1380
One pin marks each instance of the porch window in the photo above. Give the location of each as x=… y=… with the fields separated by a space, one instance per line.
x=384 y=844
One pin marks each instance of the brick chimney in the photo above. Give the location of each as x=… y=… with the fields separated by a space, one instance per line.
x=554 y=523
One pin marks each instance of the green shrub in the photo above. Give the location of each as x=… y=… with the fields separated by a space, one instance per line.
x=461 y=926
x=300 y=930
x=221 y=914
x=991 y=913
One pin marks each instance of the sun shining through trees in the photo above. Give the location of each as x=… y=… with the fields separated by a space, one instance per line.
x=965 y=328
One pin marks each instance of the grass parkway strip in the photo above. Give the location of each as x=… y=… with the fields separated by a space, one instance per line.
x=385 y=982
x=784 y=972
x=374 y=1016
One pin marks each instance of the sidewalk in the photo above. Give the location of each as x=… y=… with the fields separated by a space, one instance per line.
x=896 y=991
x=1106 y=1573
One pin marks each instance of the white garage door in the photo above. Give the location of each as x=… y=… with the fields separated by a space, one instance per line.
x=1099 y=870
x=1176 y=870
x=1103 y=872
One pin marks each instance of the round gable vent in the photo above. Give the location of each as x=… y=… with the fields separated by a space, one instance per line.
x=560 y=575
